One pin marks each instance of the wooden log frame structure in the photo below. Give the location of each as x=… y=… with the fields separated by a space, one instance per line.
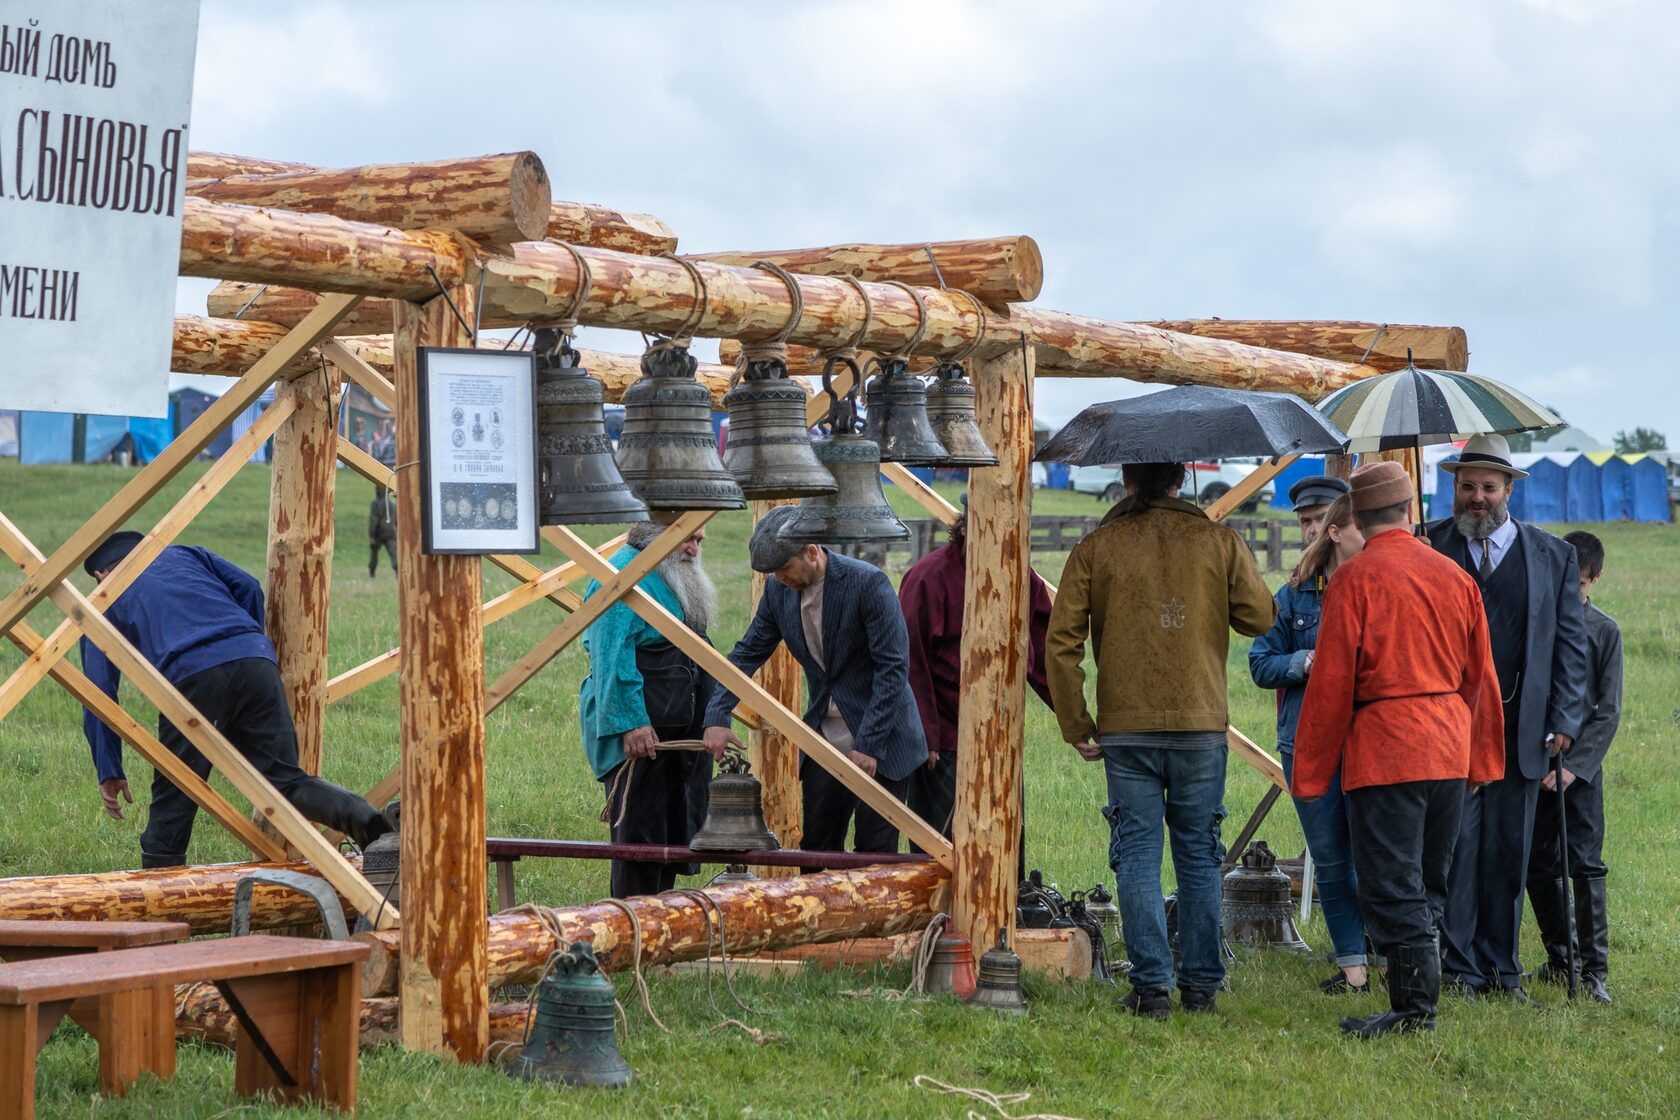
x=366 y=237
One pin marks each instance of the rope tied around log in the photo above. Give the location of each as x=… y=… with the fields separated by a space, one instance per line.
x=774 y=348
x=921 y=323
x=567 y=321
x=979 y=326
x=684 y=335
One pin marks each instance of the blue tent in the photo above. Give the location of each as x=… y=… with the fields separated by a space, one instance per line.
x=1584 y=494
x=1304 y=467
x=1649 y=480
x=1542 y=497
x=46 y=437
x=1615 y=479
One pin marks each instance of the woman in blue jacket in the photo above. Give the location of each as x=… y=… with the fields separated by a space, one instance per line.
x=1282 y=659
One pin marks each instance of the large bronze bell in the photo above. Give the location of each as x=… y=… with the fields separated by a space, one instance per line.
x=769 y=447
x=577 y=481
x=950 y=412
x=950 y=970
x=999 y=986
x=735 y=812
x=897 y=417
x=571 y=1038
x=1257 y=910
x=667 y=451
x=858 y=513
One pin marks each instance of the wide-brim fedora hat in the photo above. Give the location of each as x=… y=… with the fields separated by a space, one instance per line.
x=1488 y=452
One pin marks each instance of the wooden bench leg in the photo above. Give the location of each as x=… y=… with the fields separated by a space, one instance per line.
x=18 y=1044
x=298 y=1034
x=504 y=884
x=333 y=1000
x=123 y=1031
x=266 y=1060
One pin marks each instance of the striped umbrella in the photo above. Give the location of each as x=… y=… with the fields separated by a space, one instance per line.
x=1411 y=407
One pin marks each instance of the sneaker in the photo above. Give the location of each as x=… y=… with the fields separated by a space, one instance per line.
x=1150 y=1003
x=1195 y=1001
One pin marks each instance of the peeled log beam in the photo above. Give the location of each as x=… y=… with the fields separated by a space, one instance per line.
x=268 y=303
x=317 y=251
x=200 y=896
x=202 y=1015
x=1343 y=341
x=499 y=198
x=765 y=914
x=584 y=223
x=216 y=165
x=998 y=270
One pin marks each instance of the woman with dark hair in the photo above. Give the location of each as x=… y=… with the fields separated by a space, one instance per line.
x=1282 y=659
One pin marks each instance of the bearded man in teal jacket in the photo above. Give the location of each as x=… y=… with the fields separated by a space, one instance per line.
x=641 y=691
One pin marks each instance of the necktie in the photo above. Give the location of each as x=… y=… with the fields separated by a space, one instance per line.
x=1485 y=568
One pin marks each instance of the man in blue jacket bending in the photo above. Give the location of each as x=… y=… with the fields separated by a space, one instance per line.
x=199 y=620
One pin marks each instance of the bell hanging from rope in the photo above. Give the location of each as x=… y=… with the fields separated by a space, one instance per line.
x=858 y=512
x=734 y=812
x=571 y=1037
x=999 y=986
x=1257 y=908
x=950 y=412
x=668 y=451
x=769 y=446
x=897 y=417
x=577 y=481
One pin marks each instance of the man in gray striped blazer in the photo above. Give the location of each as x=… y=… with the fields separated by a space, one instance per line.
x=841 y=620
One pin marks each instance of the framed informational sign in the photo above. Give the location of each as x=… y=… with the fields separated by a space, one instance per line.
x=478 y=451
x=94 y=102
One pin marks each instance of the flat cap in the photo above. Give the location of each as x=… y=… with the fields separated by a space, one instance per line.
x=111 y=552
x=1317 y=490
x=768 y=550
x=1377 y=485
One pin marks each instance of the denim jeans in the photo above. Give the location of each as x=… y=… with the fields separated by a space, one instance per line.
x=1324 y=822
x=1185 y=789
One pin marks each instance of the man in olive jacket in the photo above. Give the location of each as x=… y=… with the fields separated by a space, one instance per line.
x=1158 y=588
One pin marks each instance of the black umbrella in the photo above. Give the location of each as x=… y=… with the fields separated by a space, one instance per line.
x=1193 y=422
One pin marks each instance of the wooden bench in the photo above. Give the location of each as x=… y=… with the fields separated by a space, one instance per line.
x=298 y=1004
x=149 y=1044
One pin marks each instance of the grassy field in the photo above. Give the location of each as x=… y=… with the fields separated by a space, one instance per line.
x=1272 y=1050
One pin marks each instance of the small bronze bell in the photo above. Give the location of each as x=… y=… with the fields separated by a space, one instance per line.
x=577 y=480
x=950 y=412
x=735 y=812
x=667 y=451
x=733 y=873
x=1100 y=905
x=897 y=417
x=951 y=969
x=1080 y=917
x=1257 y=910
x=571 y=1037
x=858 y=513
x=769 y=447
x=999 y=986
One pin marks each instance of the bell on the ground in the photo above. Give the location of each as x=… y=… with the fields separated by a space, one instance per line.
x=999 y=986
x=769 y=446
x=571 y=1039
x=1080 y=917
x=897 y=417
x=1257 y=908
x=1100 y=905
x=668 y=450
x=950 y=412
x=733 y=873
x=735 y=812
x=951 y=968
x=577 y=481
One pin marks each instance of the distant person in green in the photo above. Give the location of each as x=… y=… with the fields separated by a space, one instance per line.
x=1583 y=806
x=642 y=691
x=382 y=528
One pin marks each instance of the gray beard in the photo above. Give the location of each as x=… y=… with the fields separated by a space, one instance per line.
x=693 y=588
x=1480 y=528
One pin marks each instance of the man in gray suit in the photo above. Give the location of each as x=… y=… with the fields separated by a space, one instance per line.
x=1530 y=585
x=840 y=619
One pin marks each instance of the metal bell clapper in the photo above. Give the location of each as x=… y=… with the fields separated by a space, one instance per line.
x=951 y=969
x=577 y=481
x=735 y=812
x=769 y=447
x=858 y=512
x=733 y=873
x=571 y=1039
x=999 y=985
x=667 y=451
x=896 y=417
x=1257 y=908
x=951 y=414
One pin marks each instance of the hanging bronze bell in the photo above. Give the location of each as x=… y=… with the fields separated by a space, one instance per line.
x=733 y=873
x=667 y=451
x=577 y=481
x=1257 y=909
x=735 y=812
x=858 y=513
x=950 y=412
x=571 y=1038
x=896 y=417
x=769 y=446
x=999 y=985
x=951 y=969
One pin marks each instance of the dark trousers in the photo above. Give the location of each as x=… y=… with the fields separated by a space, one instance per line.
x=1583 y=814
x=390 y=546
x=246 y=701
x=1485 y=890
x=932 y=794
x=830 y=807
x=662 y=801
x=1403 y=840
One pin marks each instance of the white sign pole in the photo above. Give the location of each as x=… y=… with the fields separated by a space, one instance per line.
x=95 y=97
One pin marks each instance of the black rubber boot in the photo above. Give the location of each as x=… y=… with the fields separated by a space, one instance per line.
x=1592 y=933
x=1414 y=986
x=1550 y=904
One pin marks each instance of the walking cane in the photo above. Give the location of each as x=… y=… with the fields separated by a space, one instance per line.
x=1563 y=855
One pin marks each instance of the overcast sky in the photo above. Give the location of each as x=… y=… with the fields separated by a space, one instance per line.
x=1508 y=166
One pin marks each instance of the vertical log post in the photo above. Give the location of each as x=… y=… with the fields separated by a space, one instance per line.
x=300 y=550
x=991 y=724
x=445 y=970
x=774 y=759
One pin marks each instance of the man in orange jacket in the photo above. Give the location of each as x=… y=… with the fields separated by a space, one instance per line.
x=1405 y=699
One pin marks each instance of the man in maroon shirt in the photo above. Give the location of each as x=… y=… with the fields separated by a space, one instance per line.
x=931 y=596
